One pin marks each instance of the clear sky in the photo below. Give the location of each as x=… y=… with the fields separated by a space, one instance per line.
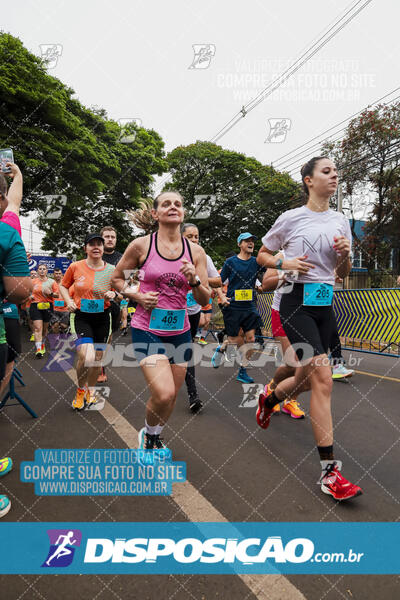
x=133 y=57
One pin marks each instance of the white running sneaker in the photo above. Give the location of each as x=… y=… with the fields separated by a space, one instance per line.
x=339 y=371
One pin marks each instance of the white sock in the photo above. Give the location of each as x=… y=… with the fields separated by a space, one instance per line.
x=203 y=333
x=38 y=345
x=159 y=429
x=325 y=463
x=151 y=430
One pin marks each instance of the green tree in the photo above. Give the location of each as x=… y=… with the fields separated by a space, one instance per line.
x=239 y=192
x=368 y=157
x=67 y=149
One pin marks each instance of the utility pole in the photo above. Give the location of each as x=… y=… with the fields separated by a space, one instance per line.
x=340 y=209
x=340 y=198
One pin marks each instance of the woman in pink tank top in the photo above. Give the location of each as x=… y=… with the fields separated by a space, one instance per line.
x=169 y=266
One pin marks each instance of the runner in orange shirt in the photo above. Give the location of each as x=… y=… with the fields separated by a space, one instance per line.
x=41 y=308
x=91 y=279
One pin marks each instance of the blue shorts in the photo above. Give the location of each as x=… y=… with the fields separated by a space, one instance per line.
x=178 y=348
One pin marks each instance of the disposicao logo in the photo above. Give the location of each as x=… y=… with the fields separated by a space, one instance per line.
x=191 y=550
x=62 y=547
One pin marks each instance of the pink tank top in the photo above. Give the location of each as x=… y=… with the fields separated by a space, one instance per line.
x=159 y=274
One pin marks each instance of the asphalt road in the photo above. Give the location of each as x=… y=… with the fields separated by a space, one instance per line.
x=240 y=471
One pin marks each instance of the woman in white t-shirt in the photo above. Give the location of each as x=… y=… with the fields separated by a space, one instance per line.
x=317 y=242
x=191 y=232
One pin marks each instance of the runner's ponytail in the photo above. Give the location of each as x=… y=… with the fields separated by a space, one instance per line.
x=142 y=217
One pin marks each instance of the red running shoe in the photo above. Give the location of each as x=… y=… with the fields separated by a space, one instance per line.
x=333 y=483
x=263 y=414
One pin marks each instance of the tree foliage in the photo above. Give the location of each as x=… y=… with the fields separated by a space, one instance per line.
x=240 y=193
x=65 y=148
x=368 y=158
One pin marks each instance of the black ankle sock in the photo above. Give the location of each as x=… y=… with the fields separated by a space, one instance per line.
x=272 y=401
x=325 y=452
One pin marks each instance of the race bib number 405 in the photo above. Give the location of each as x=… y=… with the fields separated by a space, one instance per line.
x=167 y=320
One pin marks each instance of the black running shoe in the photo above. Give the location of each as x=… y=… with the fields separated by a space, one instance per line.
x=159 y=443
x=147 y=441
x=195 y=404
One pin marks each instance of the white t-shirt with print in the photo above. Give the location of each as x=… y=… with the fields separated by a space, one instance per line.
x=301 y=232
x=211 y=272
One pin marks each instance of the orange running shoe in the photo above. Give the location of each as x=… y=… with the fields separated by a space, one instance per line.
x=78 y=402
x=291 y=407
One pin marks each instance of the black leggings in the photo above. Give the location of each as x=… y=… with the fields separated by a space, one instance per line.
x=190 y=378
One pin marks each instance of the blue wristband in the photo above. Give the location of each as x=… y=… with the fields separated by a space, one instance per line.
x=279 y=264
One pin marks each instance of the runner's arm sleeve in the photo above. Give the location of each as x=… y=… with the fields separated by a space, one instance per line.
x=68 y=278
x=225 y=271
x=275 y=237
x=15 y=263
x=211 y=270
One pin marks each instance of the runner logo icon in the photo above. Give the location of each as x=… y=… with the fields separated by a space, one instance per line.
x=62 y=547
x=251 y=392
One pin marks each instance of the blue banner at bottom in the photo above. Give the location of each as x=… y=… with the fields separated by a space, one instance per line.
x=199 y=548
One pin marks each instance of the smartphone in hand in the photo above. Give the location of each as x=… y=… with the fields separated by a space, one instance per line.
x=6 y=156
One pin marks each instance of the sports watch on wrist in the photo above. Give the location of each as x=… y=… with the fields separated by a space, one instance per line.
x=198 y=282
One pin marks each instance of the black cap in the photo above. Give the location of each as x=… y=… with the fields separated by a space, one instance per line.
x=93 y=236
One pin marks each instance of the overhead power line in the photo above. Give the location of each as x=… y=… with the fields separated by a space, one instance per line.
x=294 y=67
x=281 y=164
x=338 y=25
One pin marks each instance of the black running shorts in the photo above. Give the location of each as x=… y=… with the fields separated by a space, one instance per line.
x=309 y=327
x=234 y=319
x=92 y=328
x=37 y=314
